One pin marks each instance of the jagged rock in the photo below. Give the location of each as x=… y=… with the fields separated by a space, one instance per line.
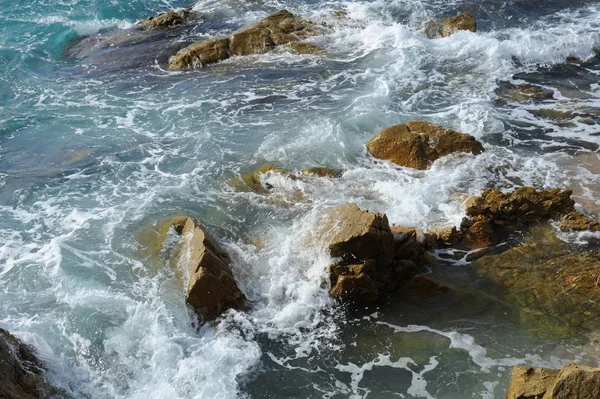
x=304 y=48
x=525 y=205
x=21 y=372
x=418 y=144
x=320 y=172
x=570 y=382
x=165 y=20
x=365 y=243
x=263 y=36
x=252 y=181
x=211 y=287
x=577 y=221
x=465 y=21
x=201 y=53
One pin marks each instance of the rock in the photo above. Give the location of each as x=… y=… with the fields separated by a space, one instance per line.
x=252 y=181
x=525 y=205
x=420 y=288
x=21 y=372
x=263 y=36
x=320 y=172
x=365 y=243
x=354 y=234
x=353 y=282
x=571 y=381
x=211 y=288
x=165 y=20
x=201 y=53
x=577 y=221
x=522 y=93
x=555 y=288
x=304 y=48
x=418 y=144
x=465 y=21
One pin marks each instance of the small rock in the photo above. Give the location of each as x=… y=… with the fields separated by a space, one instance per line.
x=577 y=221
x=465 y=21
x=252 y=181
x=420 y=288
x=321 y=172
x=353 y=283
x=418 y=144
x=201 y=53
x=522 y=93
x=165 y=20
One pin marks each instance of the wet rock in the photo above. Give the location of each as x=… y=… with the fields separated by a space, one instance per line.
x=263 y=36
x=252 y=181
x=555 y=288
x=304 y=48
x=211 y=288
x=320 y=172
x=365 y=243
x=21 y=372
x=522 y=93
x=165 y=20
x=201 y=53
x=465 y=21
x=418 y=144
x=577 y=221
x=420 y=288
x=571 y=381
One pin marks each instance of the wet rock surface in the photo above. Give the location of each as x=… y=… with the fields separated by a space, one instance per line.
x=465 y=21
x=418 y=144
x=21 y=372
x=570 y=382
x=261 y=37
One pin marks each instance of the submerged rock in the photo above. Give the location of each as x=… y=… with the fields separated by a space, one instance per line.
x=321 y=172
x=522 y=93
x=21 y=372
x=555 y=288
x=263 y=36
x=571 y=381
x=418 y=144
x=465 y=21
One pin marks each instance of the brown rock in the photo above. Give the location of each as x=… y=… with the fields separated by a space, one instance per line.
x=320 y=172
x=353 y=283
x=421 y=287
x=252 y=181
x=465 y=21
x=577 y=221
x=522 y=93
x=478 y=232
x=199 y=54
x=165 y=20
x=21 y=373
x=529 y=382
x=212 y=288
x=263 y=36
x=570 y=382
x=418 y=144
x=354 y=234
x=305 y=48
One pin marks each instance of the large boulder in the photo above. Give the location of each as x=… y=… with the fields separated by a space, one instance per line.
x=263 y=36
x=465 y=21
x=571 y=381
x=211 y=287
x=364 y=242
x=21 y=373
x=418 y=144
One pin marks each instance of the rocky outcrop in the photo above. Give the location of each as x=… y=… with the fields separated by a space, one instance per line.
x=165 y=20
x=571 y=381
x=465 y=21
x=252 y=181
x=418 y=144
x=374 y=258
x=21 y=373
x=577 y=221
x=261 y=37
x=211 y=287
x=448 y=26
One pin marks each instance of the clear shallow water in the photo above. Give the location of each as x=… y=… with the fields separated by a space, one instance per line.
x=89 y=157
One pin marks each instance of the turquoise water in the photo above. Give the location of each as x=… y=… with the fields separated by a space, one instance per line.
x=91 y=155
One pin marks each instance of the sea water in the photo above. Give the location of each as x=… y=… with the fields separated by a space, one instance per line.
x=89 y=157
